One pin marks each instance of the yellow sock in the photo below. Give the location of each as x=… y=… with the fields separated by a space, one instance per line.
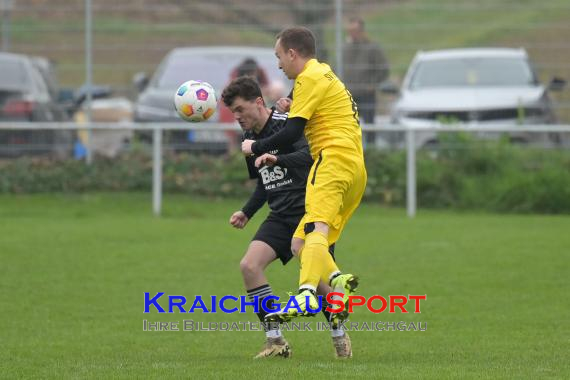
x=316 y=261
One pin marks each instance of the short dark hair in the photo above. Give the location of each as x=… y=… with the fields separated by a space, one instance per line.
x=244 y=87
x=358 y=20
x=247 y=67
x=300 y=39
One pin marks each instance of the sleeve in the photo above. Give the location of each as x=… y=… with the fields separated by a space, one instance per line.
x=301 y=157
x=256 y=200
x=250 y=162
x=286 y=137
x=307 y=95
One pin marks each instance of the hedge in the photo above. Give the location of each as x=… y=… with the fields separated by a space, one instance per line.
x=465 y=174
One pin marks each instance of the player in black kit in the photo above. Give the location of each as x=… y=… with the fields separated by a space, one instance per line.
x=281 y=182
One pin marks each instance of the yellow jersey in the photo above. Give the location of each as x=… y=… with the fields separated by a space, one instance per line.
x=327 y=105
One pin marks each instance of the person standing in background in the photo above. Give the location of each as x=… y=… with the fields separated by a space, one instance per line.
x=364 y=67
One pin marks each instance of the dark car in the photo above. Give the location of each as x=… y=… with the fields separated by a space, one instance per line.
x=28 y=93
x=215 y=65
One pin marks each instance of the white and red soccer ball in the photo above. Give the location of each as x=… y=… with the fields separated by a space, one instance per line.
x=195 y=101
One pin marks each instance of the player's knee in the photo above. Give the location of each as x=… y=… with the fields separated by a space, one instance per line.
x=295 y=251
x=297 y=246
x=321 y=227
x=249 y=267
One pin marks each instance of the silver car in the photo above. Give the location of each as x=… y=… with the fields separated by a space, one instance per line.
x=216 y=65
x=473 y=86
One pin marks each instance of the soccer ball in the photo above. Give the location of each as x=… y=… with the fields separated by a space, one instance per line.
x=195 y=101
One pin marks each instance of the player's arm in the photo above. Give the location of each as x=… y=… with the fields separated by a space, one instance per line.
x=256 y=200
x=301 y=157
x=259 y=195
x=286 y=137
x=239 y=219
x=308 y=94
x=283 y=105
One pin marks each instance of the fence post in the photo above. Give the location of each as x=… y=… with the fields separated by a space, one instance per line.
x=410 y=172
x=338 y=38
x=156 y=170
x=6 y=7
x=88 y=79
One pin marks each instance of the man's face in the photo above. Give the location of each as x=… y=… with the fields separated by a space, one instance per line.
x=284 y=60
x=354 y=30
x=248 y=113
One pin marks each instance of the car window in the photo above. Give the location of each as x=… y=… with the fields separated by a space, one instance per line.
x=473 y=72
x=182 y=68
x=47 y=72
x=13 y=74
x=214 y=68
x=39 y=82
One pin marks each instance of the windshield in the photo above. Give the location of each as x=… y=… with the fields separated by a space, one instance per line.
x=214 y=68
x=472 y=72
x=13 y=75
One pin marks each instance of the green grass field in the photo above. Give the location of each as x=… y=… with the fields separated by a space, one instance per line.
x=74 y=269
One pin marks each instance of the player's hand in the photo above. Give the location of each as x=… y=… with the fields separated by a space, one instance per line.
x=239 y=219
x=283 y=105
x=265 y=159
x=246 y=147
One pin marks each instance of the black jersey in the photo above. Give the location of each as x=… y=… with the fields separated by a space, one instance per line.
x=283 y=185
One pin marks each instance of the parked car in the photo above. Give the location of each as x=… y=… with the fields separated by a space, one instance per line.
x=215 y=65
x=28 y=93
x=474 y=86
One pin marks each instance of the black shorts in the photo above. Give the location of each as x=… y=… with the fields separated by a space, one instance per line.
x=277 y=232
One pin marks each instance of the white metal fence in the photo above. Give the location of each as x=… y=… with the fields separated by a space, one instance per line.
x=410 y=143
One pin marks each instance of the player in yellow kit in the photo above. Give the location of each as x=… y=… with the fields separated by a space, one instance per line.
x=324 y=110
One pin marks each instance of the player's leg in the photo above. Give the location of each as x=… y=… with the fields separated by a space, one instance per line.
x=340 y=339
x=252 y=265
x=316 y=262
x=271 y=241
x=347 y=283
x=297 y=247
x=323 y=201
x=323 y=289
x=258 y=256
x=276 y=232
x=297 y=244
x=330 y=179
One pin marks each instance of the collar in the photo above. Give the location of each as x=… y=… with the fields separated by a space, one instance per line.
x=309 y=63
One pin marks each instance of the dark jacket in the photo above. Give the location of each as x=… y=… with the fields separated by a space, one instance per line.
x=364 y=67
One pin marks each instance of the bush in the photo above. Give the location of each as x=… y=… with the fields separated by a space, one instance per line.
x=465 y=174
x=200 y=175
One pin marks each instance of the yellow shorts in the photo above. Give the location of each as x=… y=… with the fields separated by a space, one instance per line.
x=335 y=187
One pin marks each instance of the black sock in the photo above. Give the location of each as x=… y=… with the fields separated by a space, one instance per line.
x=327 y=314
x=261 y=292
